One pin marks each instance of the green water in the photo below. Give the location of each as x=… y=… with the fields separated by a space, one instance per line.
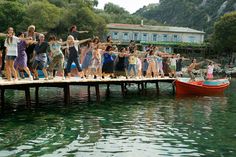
x=134 y=126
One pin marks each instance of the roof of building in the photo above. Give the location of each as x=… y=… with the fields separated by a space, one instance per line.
x=153 y=28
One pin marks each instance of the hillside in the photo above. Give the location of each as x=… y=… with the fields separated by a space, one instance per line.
x=197 y=14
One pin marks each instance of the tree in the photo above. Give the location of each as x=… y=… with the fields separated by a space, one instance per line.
x=115 y=9
x=11 y=14
x=224 y=37
x=82 y=15
x=43 y=15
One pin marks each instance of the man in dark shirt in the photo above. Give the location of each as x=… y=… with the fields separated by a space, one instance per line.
x=40 y=57
x=75 y=33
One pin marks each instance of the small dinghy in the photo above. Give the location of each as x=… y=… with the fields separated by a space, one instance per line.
x=208 y=87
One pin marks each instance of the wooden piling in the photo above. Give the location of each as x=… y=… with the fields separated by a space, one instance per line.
x=157 y=87
x=67 y=94
x=173 y=88
x=142 y=86
x=97 y=92
x=2 y=98
x=108 y=92
x=145 y=85
x=27 y=97
x=37 y=95
x=89 y=93
x=122 y=89
x=139 y=87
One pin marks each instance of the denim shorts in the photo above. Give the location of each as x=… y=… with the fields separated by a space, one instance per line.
x=10 y=58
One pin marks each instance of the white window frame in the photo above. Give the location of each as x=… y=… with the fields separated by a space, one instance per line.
x=175 y=38
x=115 y=37
x=165 y=37
x=155 y=37
x=192 y=39
x=145 y=37
x=125 y=38
x=134 y=36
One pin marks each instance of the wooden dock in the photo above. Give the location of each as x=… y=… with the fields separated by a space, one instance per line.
x=25 y=85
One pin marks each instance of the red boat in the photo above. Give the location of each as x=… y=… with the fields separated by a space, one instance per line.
x=213 y=87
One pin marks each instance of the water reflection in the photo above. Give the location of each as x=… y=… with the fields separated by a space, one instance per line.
x=133 y=126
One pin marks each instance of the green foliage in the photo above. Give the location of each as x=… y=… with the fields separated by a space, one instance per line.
x=57 y=16
x=224 y=37
x=115 y=14
x=43 y=14
x=86 y=19
x=11 y=14
x=114 y=9
x=197 y=14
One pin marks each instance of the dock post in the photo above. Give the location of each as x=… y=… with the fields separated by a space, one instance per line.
x=89 y=93
x=123 y=89
x=97 y=92
x=139 y=87
x=108 y=90
x=27 y=96
x=173 y=88
x=142 y=86
x=67 y=94
x=2 y=98
x=157 y=87
x=37 y=95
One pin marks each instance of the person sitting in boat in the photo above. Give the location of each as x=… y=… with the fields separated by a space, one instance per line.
x=191 y=67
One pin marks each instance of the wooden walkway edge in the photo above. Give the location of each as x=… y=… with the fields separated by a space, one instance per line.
x=25 y=85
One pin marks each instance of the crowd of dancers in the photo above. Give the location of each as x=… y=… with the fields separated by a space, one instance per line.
x=27 y=52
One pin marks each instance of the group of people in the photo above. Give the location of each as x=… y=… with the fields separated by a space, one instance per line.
x=28 y=51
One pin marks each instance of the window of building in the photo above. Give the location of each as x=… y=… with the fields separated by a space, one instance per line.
x=126 y=36
x=144 y=37
x=165 y=37
x=154 y=37
x=136 y=36
x=115 y=35
x=175 y=38
x=168 y=49
x=191 y=39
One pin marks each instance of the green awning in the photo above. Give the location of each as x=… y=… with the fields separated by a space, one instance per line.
x=181 y=44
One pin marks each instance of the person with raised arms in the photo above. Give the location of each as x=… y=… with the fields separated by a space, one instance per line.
x=39 y=58
x=190 y=69
x=11 y=53
x=73 y=53
x=57 y=57
x=21 y=59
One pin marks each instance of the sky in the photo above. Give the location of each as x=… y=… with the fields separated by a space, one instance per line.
x=129 y=5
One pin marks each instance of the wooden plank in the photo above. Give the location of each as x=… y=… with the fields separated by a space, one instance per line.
x=58 y=82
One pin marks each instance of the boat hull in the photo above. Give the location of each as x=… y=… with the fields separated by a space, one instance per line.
x=198 y=88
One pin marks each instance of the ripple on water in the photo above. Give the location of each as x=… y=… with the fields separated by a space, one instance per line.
x=133 y=126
